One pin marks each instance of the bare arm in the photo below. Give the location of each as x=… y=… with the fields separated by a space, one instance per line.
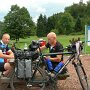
x=41 y=48
x=56 y=59
x=9 y=56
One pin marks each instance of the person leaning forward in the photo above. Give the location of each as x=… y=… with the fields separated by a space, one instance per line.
x=54 y=47
x=5 y=54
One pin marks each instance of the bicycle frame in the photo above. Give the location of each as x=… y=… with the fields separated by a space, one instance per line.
x=76 y=61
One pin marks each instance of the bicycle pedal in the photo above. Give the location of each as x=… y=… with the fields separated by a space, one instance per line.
x=41 y=84
x=51 y=74
x=29 y=85
x=63 y=76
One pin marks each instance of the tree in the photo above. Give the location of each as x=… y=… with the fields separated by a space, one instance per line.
x=78 y=25
x=1 y=28
x=88 y=9
x=76 y=10
x=55 y=30
x=51 y=23
x=80 y=12
x=41 y=26
x=18 y=22
x=65 y=24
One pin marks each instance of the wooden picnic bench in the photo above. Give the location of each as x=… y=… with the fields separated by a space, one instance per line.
x=7 y=81
x=11 y=80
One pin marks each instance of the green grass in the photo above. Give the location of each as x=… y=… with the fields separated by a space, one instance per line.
x=64 y=39
x=22 y=42
x=87 y=51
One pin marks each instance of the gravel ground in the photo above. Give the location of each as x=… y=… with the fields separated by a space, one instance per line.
x=72 y=82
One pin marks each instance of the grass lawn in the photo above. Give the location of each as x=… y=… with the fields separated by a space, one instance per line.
x=64 y=39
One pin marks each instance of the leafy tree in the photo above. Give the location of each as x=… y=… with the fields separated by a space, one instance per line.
x=41 y=26
x=78 y=25
x=88 y=9
x=45 y=25
x=65 y=24
x=80 y=12
x=1 y=28
x=76 y=10
x=50 y=24
x=18 y=22
x=55 y=30
x=58 y=23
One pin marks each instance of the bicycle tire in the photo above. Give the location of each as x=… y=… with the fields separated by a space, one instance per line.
x=40 y=81
x=51 y=85
x=82 y=76
x=16 y=86
x=51 y=82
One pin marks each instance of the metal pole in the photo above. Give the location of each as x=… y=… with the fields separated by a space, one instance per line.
x=85 y=38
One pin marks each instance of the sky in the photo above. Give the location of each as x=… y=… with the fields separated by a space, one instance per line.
x=36 y=7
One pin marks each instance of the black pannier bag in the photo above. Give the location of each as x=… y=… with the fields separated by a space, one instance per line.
x=24 y=61
x=24 y=68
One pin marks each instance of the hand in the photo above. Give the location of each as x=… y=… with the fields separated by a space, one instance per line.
x=47 y=57
x=11 y=56
x=8 y=60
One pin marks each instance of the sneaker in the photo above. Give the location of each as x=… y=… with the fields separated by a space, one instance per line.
x=64 y=71
x=52 y=74
x=63 y=76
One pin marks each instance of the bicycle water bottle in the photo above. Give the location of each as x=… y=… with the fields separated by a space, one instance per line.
x=49 y=64
x=58 y=67
x=25 y=46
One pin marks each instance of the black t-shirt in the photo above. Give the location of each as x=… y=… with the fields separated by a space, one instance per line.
x=57 y=48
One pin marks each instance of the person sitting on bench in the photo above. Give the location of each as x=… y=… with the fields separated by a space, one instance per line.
x=5 y=54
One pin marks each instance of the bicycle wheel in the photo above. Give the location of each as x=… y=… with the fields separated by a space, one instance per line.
x=38 y=79
x=51 y=85
x=17 y=84
x=82 y=76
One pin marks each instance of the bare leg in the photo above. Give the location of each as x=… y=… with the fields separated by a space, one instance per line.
x=7 y=68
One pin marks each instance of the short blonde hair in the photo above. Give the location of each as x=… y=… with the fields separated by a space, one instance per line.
x=5 y=34
x=51 y=34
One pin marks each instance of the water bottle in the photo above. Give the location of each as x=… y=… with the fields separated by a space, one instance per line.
x=58 y=67
x=49 y=64
x=25 y=46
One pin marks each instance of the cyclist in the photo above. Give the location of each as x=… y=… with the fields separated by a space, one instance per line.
x=5 y=54
x=54 y=60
